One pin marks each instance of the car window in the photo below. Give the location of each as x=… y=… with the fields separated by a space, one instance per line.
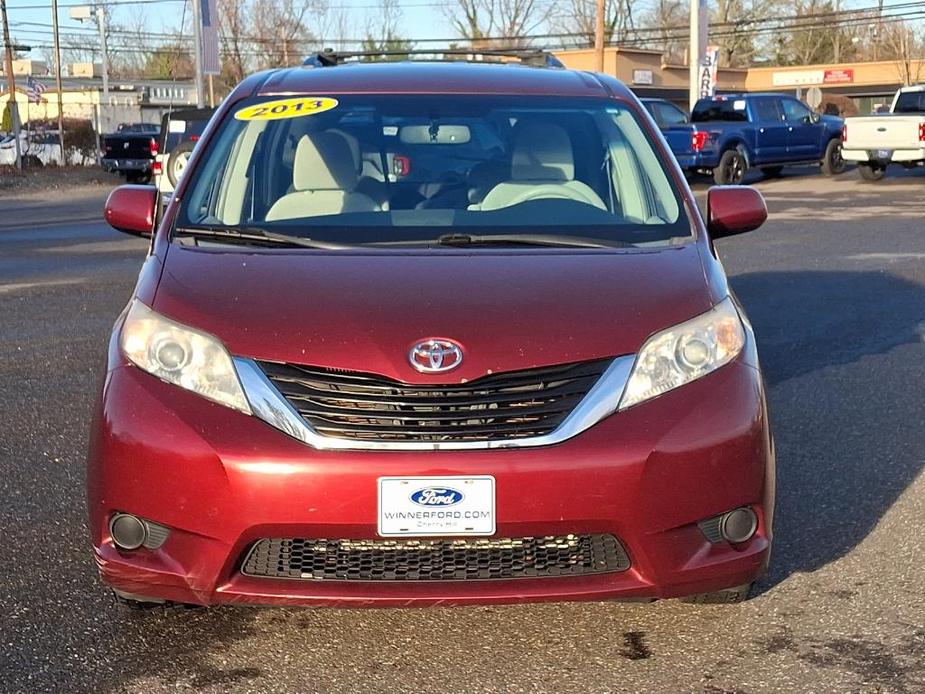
x=910 y=102
x=379 y=169
x=794 y=110
x=670 y=115
x=719 y=109
x=768 y=109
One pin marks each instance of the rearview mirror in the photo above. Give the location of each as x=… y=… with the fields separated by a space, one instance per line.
x=131 y=209
x=734 y=210
x=434 y=134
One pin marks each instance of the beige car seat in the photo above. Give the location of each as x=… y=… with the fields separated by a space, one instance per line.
x=542 y=167
x=324 y=180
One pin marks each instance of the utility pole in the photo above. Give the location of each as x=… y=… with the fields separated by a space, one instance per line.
x=696 y=49
x=57 y=43
x=11 y=84
x=599 y=36
x=197 y=50
x=84 y=13
x=104 y=50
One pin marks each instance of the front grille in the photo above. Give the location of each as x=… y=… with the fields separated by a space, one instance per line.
x=361 y=406
x=435 y=560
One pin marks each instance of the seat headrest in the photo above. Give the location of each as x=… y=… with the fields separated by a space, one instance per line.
x=354 y=145
x=542 y=152
x=323 y=161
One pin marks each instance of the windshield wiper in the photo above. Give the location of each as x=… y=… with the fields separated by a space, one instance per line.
x=245 y=234
x=526 y=240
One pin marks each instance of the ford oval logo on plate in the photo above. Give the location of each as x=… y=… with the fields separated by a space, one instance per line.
x=437 y=496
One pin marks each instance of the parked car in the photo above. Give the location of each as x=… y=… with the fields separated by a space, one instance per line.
x=665 y=113
x=182 y=130
x=875 y=142
x=131 y=152
x=730 y=134
x=522 y=380
x=38 y=148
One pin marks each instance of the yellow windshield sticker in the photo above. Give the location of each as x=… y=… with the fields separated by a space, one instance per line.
x=287 y=108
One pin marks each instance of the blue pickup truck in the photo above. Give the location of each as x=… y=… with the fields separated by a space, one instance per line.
x=730 y=134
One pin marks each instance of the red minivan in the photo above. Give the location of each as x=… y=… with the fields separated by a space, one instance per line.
x=429 y=333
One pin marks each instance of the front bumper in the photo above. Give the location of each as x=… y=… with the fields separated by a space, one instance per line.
x=221 y=480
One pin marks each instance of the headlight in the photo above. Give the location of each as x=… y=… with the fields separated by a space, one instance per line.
x=684 y=353
x=180 y=355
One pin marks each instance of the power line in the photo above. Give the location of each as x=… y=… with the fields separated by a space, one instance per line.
x=675 y=30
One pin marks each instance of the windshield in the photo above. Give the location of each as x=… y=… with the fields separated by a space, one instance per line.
x=361 y=169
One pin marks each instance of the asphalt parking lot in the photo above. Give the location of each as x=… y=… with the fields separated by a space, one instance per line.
x=835 y=286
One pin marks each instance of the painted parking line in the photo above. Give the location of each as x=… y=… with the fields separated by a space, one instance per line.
x=23 y=286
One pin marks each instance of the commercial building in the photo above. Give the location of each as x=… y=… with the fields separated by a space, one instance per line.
x=852 y=87
x=130 y=101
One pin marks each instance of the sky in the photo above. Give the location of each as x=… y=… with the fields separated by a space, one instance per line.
x=420 y=18
x=31 y=19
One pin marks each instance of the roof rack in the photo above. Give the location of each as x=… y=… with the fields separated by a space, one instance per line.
x=526 y=56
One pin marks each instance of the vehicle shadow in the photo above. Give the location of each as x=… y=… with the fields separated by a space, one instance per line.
x=842 y=355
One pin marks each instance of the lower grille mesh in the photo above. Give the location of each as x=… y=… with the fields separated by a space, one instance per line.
x=435 y=560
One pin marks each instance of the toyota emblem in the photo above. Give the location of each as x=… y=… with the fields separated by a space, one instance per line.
x=435 y=356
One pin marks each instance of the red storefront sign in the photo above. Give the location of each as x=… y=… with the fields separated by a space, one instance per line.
x=838 y=76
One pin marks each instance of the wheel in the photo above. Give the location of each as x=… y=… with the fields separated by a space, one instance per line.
x=771 y=171
x=721 y=597
x=732 y=168
x=832 y=162
x=871 y=172
x=177 y=160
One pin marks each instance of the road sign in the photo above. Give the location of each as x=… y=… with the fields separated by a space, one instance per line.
x=814 y=97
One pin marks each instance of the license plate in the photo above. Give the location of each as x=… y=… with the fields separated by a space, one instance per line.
x=426 y=506
x=884 y=154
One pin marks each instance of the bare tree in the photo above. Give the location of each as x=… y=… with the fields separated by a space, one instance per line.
x=383 y=31
x=664 y=27
x=335 y=27
x=498 y=23
x=735 y=22
x=577 y=19
x=814 y=37
x=279 y=31
x=232 y=26
x=900 y=44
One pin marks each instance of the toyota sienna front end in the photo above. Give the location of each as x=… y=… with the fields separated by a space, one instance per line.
x=416 y=334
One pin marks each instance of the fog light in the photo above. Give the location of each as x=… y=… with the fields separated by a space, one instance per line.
x=739 y=525
x=127 y=531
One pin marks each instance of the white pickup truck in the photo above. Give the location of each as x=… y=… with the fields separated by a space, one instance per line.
x=897 y=137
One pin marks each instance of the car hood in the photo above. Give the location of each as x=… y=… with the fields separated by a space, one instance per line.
x=364 y=311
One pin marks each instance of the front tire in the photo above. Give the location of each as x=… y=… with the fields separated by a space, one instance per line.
x=871 y=172
x=832 y=162
x=732 y=168
x=721 y=597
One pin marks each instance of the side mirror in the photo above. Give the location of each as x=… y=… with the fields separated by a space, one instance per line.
x=734 y=210
x=132 y=209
